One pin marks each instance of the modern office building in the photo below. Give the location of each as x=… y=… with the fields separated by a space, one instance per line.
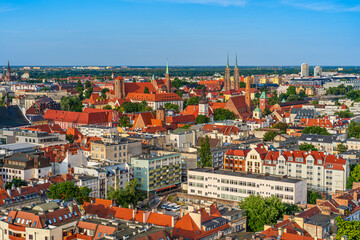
x=305 y=70
x=235 y=186
x=157 y=173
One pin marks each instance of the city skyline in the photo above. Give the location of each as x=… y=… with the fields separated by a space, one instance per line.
x=187 y=32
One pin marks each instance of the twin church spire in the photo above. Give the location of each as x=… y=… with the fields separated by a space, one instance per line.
x=235 y=84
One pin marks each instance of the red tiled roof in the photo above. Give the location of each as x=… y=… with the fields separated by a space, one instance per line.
x=153 y=97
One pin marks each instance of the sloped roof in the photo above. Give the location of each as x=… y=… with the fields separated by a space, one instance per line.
x=12 y=117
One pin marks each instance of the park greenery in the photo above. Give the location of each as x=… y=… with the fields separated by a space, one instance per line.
x=307 y=147
x=353 y=95
x=354 y=176
x=68 y=190
x=269 y=136
x=350 y=229
x=71 y=103
x=205 y=153
x=128 y=195
x=344 y=114
x=16 y=182
x=223 y=114
x=130 y=107
x=265 y=211
x=202 y=119
x=354 y=129
x=315 y=130
x=312 y=196
x=340 y=90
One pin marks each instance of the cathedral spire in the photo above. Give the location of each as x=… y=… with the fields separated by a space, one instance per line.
x=236 y=61
x=227 y=64
x=167 y=66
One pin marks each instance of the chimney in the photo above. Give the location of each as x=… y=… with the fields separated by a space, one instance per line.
x=355 y=195
x=9 y=192
x=19 y=190
x=172 y=221
x=280 y=233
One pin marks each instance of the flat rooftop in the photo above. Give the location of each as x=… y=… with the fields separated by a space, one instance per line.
x=248 y=175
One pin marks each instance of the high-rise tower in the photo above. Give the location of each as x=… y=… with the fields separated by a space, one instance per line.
x=236 y=75
x=119 y=88
x=247 y=95
x=317 y=71
x=8 y=73
x=227 y=76
x=304 y=70
x=167 y=78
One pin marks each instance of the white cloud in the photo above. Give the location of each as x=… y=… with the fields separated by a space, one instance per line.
x=324 y=6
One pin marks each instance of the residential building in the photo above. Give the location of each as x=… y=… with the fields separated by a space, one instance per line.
x=323 y=172
x=236 y=159
x=120 y=150
x=25 y=166
x=235 y=186
x=326 y=143
x=254 y=158
x=97 y=131
x=46 y=221
x=157 y=173
x=304 y=70
x=156 y=100
x=227 y=134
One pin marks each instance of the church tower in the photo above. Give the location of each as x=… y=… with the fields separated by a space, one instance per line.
x=119 y=88
x=236 y=75
x=227 y=82
x=247 y=95
x=167 y=79
x=263 y=101
x=203 y=104
x=8 y=74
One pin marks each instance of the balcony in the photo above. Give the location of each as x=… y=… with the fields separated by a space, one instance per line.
x=11 y=237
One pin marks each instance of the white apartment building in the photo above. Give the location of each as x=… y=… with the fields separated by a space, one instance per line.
x=323 y=172
x=235 y=186
x=97 y=131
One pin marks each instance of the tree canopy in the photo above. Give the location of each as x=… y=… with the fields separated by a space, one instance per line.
x=261 y=211
x=307 y=147
x=88 y=92
x=16 y=182
x=127 y=195
x=344 y=114
x=312 y=196
x=340 y=148
x=171 y=106
x=124 y=121
x=340 y=90
x=130 y=107
x=223 y=114
x=205 y=153
x=354 y=176
x=103 y=92
x=354 y=129
x=349 y=228
x=193 y=101
x=202 y=119
x=68 y=190
x=315 y=130
x=282 y=126
x=269 y=136
x=71 y=103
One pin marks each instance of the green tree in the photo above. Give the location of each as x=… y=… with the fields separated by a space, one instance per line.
x=269 y=136
x=265 y=211
x=315 y=130
x=340 y=148
x=354 y=176
x=315 y=102
x=202 y=119
x=282 y=126
x=128 y=195
x=354 y=129
x=107 y=107
x=146 y=90
x=351 y=229
x=179 y=93
x=205 y=153
x=124 y=121
x=68 y=190
x=307 y=147
x=312 y=196
x=200 y=87
x=71 y=103
x=193 y=101
x=266 y=112
x=243 y=85
x=79 y=86
x=223 y=114
x=344 y=114
x=291 y=90
x=16 y=182
x=353 y=95
x=170 y=106
x=70 y=138
x=103 y=92
x=88 y=92
x=87 y=84
x=186 y=126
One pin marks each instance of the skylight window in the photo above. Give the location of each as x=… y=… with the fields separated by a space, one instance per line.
x=99 y=235
x=75 y=213
x=34 y=224
x=54 y=220
x=60 y=218
x=66 y=217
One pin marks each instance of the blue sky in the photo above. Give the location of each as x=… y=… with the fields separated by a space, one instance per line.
x=187 y=32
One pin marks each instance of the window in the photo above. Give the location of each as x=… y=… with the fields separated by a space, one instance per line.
x=54 y=220
x=66 y=217
x=75 y=213
x=50 y=221
x=99 y=235
x=34 y=224
x=30 y=236
x=60 y=218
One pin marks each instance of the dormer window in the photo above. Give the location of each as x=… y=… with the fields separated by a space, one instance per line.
x=330 y=166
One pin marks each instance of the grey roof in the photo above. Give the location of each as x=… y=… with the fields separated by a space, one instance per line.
x=18 y=146
x=12 y=117
x=249 y=175
x=317 y=138
x=320 y=219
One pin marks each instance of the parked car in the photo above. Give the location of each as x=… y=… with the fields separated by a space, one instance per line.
x=176 y=208
x=170 y=206
x=165 y=205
